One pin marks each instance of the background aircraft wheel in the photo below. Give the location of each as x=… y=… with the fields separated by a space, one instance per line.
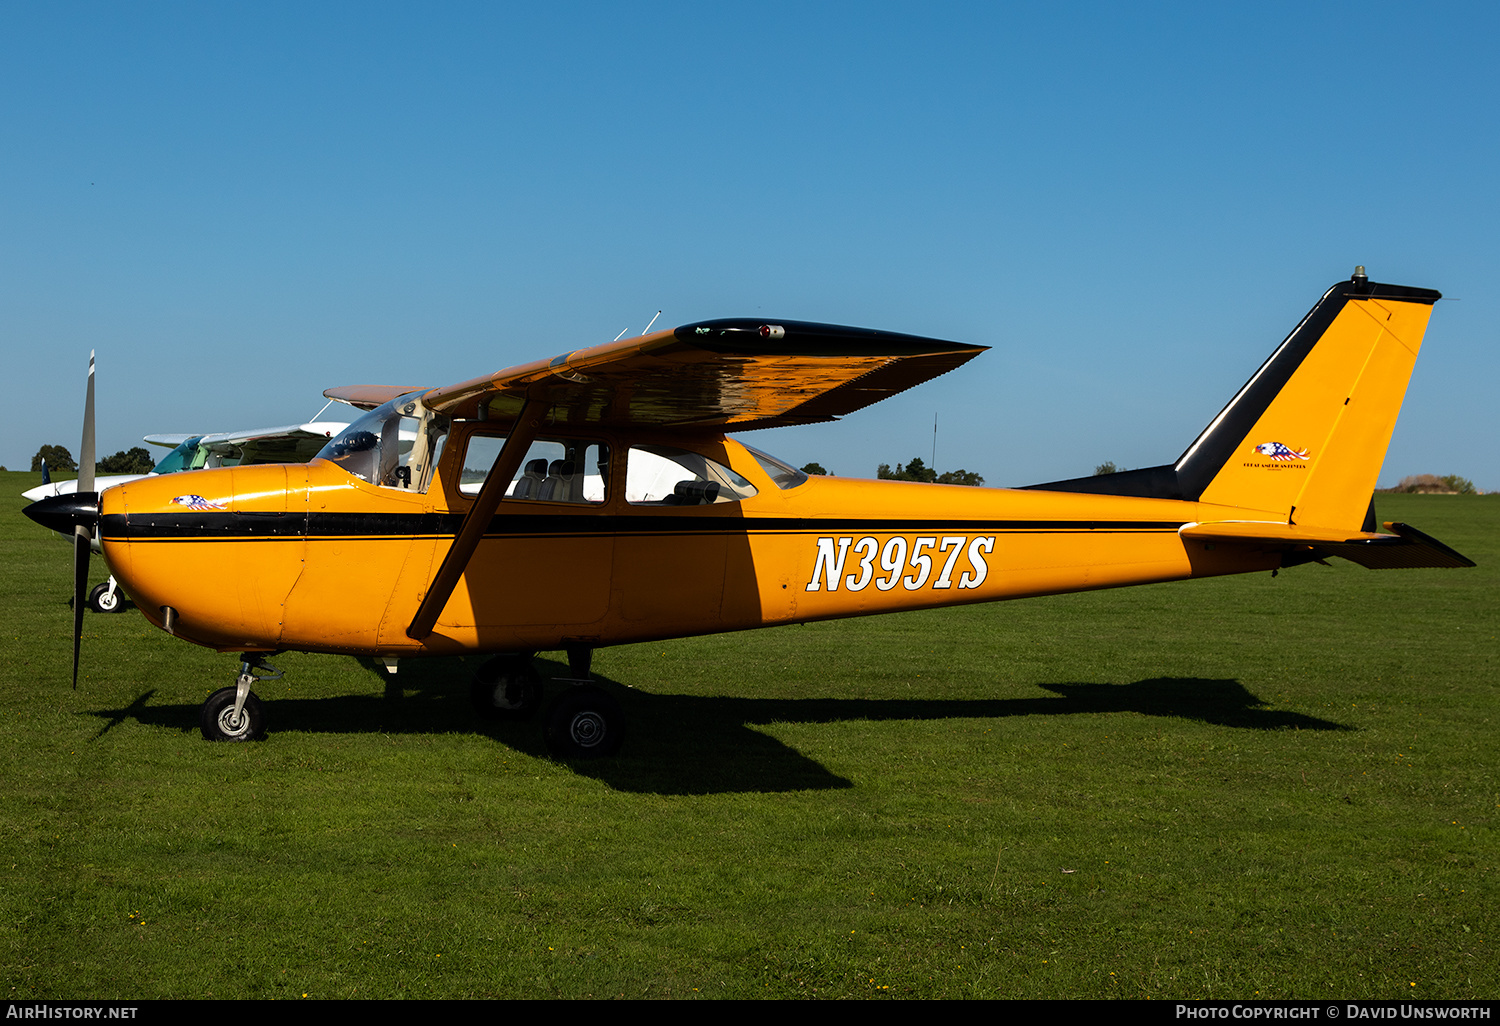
x=219 y=724
x=585 y=723
x=506 y=687
x=102 y=600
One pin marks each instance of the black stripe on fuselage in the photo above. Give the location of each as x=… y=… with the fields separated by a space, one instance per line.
x=229 y=526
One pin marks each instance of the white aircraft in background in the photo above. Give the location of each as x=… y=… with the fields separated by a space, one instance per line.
x=290 y=443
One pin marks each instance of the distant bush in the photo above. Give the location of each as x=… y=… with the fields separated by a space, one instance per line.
x=1431 y=484
x=55 y=456
x=136 y=461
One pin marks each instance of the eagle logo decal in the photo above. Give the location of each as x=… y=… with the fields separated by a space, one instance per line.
x=1277 y=451
x=195 y=502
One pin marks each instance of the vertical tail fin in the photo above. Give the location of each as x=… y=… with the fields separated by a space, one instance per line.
x=1304 y=439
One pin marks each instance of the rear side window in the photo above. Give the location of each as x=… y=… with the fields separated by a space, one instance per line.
x=663 y=475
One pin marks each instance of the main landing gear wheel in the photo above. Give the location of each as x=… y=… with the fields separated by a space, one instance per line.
x=507 y=688
x=104 y=599
x=584 y=722
x=220 y=724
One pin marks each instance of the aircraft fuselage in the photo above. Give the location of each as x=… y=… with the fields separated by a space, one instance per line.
x=309 y=557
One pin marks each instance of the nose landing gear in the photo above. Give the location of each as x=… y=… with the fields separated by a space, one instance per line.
x=235 y=713
x=107 y=597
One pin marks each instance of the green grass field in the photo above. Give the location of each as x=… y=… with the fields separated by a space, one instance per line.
x=1238 y=788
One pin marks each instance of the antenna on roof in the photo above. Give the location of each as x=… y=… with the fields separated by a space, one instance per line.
x=648 y=328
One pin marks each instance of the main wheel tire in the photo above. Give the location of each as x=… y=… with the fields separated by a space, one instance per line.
x=584 y=722
x=218 y=723
x=506 y=688
x=103 y=600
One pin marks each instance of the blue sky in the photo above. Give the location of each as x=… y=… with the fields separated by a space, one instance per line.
x=239 y=205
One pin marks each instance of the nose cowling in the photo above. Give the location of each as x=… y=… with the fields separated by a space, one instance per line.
x=65 y=513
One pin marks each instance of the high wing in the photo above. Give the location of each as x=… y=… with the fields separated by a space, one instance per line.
x=289 y=443
x=712 y=376
x=167 y=441
x=729 y=375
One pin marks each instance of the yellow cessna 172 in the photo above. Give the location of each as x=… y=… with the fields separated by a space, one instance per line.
x=596 y=499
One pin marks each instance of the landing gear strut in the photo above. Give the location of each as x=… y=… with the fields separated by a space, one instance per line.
x=582 y=721
x=507 y=688
x=235 y=714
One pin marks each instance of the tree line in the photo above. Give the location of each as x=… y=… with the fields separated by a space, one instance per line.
x=914 y=470
x=127 y=461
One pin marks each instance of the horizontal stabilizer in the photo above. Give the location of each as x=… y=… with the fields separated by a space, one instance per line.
x=1408 y=548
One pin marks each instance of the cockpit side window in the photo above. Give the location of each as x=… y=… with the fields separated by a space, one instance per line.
x=783 y=475
x=185 y=457
x=554 y=469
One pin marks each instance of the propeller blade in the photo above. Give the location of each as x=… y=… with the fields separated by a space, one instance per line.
x=83 y=531
x=86 y=449
x=81 y=539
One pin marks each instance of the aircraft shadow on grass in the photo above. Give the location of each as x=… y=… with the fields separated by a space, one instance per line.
x=685 y=744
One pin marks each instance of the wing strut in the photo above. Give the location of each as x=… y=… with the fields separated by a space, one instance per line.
x=507 y=462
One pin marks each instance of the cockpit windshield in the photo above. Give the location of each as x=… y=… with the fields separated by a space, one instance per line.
x=185 y=457
x=388 y=446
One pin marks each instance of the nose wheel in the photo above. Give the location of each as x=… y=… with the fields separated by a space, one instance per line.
x=235 y=714
x=107 y=598
x=221 y=721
